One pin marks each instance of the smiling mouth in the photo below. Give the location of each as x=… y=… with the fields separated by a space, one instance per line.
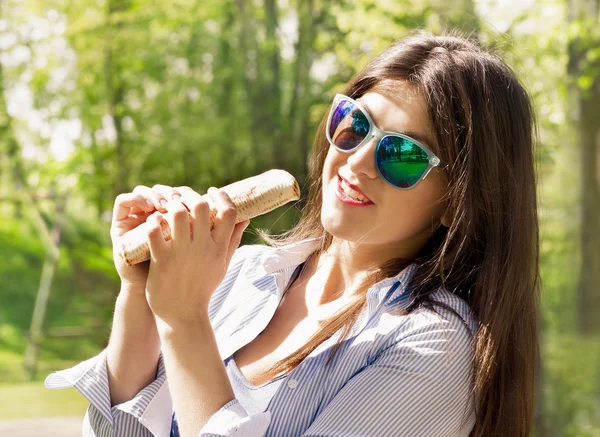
x=351 y=193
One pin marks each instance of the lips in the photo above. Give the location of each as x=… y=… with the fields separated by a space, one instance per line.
x=354 y=187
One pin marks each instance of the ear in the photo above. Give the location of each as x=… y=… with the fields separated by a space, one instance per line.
x=446 y=218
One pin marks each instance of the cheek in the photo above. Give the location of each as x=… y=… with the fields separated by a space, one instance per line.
x=409 y=213
x=330 y=161
x=330 y=167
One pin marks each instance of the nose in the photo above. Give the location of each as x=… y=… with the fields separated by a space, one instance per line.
x=362 y=160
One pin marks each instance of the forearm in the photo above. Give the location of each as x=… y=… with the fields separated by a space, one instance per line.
x=197 y=376
x=134 y=347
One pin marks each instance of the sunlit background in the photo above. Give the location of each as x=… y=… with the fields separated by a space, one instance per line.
x=97 y=97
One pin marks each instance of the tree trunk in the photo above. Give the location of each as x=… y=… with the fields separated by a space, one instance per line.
x=298 y=119
x=224 y=61
x=13 y=165
x=98 y=198
x=589 y=277
x=41 y=301
x=271 y=85
x=115 y=94
x=586 y=120
x=225 y=84
x=585 y=117
x=249 y=71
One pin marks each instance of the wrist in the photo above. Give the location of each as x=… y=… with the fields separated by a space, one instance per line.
x=133 y=288
x=169 y=329
x=134 y=297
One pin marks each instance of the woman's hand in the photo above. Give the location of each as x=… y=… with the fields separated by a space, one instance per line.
x=185 y=271
x=131 y=210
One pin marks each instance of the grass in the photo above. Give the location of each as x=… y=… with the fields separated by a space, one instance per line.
x=32 y=399
x=21 y=399
x=11 y=370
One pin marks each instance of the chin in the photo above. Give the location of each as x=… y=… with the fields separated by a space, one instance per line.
x=331 y=223
x=340 y=230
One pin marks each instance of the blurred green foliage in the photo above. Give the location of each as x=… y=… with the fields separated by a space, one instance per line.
x=105 y=95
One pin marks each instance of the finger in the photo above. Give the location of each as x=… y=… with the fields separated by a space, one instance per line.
x=183 y=188
x=124 y=204
x=156 y=241
x=200 y=212
x=139 y=211
x=180 y=221
x=236 y=239
x=157 y=199
x=139 y=217
x=121 y=227
x=225 y=218
x=169 y=193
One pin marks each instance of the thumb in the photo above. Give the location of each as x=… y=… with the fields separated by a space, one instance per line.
x=236 y=238
x=120 y=228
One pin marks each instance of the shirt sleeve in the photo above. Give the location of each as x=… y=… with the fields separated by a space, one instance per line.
x=150 y=412
x=232 y=420
x=147 y=414
x=418 y=386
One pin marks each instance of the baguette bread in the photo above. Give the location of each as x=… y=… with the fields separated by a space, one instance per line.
x=252 y=197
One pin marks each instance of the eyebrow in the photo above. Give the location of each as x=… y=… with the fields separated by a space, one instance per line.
x=417 y=136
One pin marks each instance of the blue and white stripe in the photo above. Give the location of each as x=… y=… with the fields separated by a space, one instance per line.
x=395 y=375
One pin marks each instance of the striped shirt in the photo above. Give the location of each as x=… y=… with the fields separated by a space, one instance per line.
x=254 y=398
x=394 y=375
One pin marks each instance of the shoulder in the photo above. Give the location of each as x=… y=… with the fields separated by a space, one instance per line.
x=452 y=311
x=442 y=335
x=426 y=357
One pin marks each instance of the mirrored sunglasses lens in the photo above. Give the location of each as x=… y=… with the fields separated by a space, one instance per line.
x=348 y=125
x=400 y=161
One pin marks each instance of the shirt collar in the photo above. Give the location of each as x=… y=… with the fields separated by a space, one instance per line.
x=290 y=255
x=278 y=259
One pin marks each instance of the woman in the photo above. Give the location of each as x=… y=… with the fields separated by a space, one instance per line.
x=403 y=303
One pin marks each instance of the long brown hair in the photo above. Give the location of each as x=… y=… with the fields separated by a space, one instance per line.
x=485 y=128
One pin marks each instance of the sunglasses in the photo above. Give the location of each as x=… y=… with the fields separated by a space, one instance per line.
x=400 y=160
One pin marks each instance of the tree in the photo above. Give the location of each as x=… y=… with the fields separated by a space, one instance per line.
x=584 y=70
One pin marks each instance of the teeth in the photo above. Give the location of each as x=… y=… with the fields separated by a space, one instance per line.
x=352 y=193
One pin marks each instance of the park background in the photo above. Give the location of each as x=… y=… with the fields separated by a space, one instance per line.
x=98 y=96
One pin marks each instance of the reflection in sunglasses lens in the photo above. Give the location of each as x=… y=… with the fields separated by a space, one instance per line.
x=400 y=161
x=348 y=126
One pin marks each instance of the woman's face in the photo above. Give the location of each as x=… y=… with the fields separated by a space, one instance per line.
x=399 y=222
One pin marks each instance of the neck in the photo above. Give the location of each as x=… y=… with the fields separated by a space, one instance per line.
x=339 y=272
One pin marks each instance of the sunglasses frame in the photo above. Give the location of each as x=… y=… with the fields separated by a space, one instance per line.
x=379 y=134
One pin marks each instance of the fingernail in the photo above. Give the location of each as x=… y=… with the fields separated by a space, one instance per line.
x=150 y=204
x=163 y=203
x=176 y=196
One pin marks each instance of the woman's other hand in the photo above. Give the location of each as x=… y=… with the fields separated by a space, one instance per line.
x=185 y=271
x=131 y=210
